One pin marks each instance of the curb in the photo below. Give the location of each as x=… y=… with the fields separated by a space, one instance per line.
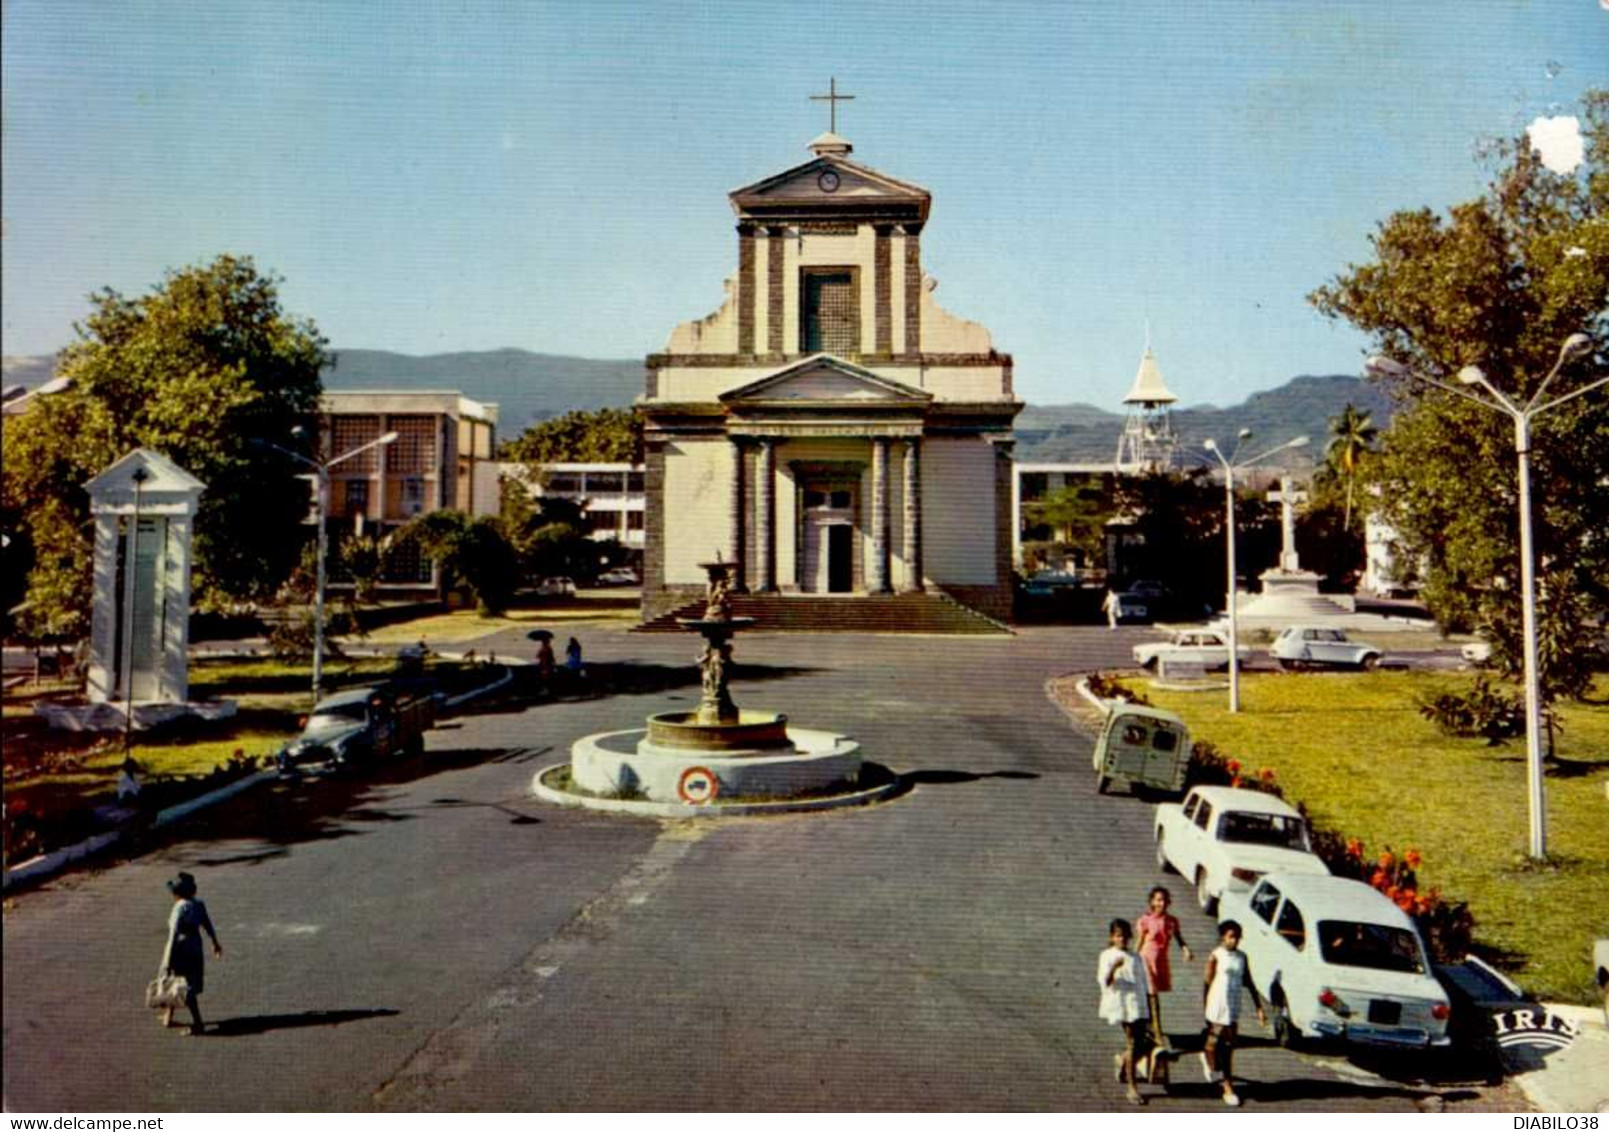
x=51 y=863
x=1103 y=706
x=548 y=794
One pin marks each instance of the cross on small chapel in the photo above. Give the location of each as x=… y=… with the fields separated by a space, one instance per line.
x=832 y=98
x=1288 y=496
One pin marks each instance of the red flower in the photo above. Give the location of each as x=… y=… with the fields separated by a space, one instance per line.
x=1354 y=848
x=1392 y=891
x=1407 y=902
x=1235 y=782
x=1266 y=774
x=1378 y=880
x=1387 y=860
x=1413 y=858
x=1233 y=766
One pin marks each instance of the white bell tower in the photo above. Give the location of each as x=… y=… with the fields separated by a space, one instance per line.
x=1148 y=441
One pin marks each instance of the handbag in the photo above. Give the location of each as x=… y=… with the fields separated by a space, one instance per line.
x=165 y=992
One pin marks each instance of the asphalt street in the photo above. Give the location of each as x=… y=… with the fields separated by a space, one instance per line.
x=433 y=938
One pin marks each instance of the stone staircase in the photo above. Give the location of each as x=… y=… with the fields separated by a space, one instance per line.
x=929 y=612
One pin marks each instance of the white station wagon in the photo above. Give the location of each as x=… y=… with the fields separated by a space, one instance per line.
x=1223 y=839
x=1336 y=959
x=1206 y=647
x=1302 y=645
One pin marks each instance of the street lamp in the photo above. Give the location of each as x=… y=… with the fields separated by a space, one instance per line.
x=1574 y=347
x=321 y=470
x=1230 y=464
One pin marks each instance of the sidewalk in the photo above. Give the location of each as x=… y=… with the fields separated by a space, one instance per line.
x=1576 y=1078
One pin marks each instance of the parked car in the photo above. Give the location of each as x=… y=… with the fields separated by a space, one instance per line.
x=1205 y=646
x=1336 y=960
x=1303 y=645
x=619 y=576
x=554 y=587
x=362 y=725
x=1476 y=652
x=1224 y=839
x=1132 y=609
x=1142 y=747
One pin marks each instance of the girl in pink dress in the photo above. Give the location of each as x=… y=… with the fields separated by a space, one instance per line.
x=1158 y=929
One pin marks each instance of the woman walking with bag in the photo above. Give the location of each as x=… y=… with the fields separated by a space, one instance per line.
x=183 y=956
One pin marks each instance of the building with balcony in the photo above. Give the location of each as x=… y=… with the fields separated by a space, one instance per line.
x=443 y=457
x=611 y=496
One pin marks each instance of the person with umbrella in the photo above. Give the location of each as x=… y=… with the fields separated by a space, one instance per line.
x=544 y=655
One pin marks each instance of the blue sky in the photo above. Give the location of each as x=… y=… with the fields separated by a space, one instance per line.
x=433 y=177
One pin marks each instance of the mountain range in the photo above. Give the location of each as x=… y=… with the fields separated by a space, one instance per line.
x=531 y=387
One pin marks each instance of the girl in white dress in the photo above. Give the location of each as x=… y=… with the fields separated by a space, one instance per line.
x=1226 y=974
x=1121 y=976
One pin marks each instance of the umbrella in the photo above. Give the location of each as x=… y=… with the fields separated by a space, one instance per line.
x=539 y=635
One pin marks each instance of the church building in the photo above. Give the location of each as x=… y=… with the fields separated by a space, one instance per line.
x=830 y=428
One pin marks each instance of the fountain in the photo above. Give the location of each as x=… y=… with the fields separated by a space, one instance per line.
x=717 y=759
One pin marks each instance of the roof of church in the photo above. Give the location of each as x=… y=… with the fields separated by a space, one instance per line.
x=862 y=384
x=854 y=190
x=1148 y=387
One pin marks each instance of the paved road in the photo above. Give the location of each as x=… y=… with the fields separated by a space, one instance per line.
x=438 y=940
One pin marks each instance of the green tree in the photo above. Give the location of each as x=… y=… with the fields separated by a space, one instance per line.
x=606 y=436
x=1499 y=282
x=474 y=555
x=1352 y=437
x=197 y=369
x=1076 y=514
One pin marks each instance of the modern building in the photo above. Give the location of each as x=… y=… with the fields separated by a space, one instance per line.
x=611 y=496
x=443 y=457
x=830 y=428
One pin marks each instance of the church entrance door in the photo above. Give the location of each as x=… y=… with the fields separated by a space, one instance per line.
x=828 y=559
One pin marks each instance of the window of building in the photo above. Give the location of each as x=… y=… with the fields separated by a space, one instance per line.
x=603 y=520
x=634 y=482
x=562 y=483
x=634 y=520
x=355 y=499
x=414 y=450
x=349 y=432
x=830 y=318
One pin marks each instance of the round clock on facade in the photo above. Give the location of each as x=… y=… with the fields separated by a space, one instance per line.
x=828 y=181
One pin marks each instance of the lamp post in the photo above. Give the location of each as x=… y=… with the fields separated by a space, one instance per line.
x=321 y=489
x=132 y=549
x=1231 y=463
x=1574 y=347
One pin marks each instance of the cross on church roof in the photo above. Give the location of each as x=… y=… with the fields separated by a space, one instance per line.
x=832 y=98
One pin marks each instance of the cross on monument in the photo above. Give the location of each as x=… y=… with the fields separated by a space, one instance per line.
x=1288 y=496
x=832 y=98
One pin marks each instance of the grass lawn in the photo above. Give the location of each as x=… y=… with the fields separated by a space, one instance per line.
x=1354 y=748
x=569 y=614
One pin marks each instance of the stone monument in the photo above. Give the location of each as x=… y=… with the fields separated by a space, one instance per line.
x=1290 y=594
x=143 y=506
x=717 y=759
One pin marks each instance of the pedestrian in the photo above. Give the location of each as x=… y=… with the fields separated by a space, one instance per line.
x=544 y=661
x=1121 y=976
x=572 y=658
x=183 y=956
x=1158 y=929
x=1226 y=974
x=1112 y=606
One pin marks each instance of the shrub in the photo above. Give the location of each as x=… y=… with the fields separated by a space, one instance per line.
x=1110 y=688
x=1446 y=926
x=1484 y=712
x=1211 y=767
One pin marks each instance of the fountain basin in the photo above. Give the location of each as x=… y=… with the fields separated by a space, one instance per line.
x=752 y=730
x=630 y=764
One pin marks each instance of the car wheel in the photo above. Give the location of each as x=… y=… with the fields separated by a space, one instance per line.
x=1369 y=662
x=1162 y=856
x=1286 y=664
x=1204 y=896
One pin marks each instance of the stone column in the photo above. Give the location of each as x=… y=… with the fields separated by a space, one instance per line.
x=913 y=288
x=882 y=285
x=747 y=283
x=735 y=532
x=877 y=583
x=765 y=518
x=774 y=255
x=913 y=515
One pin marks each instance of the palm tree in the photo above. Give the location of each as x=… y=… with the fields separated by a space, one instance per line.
x=1352 y=434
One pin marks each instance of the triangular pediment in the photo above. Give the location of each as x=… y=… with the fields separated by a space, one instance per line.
x=835 y=184
x=824 y=379
x=157 y=475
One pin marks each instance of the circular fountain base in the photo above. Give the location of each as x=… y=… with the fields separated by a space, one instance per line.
x=631 y=772
x=750 y=731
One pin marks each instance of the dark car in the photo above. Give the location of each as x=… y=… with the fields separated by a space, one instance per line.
x=361 y=725
x=1477 y=993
